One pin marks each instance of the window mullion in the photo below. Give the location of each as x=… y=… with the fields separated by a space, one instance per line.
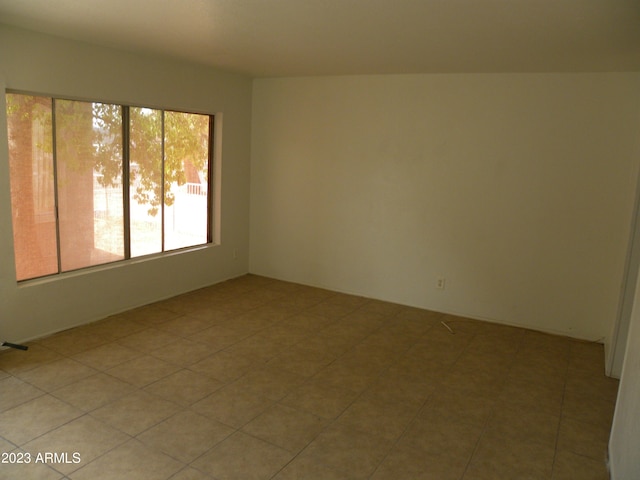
x=54 y=155
x=164 y=157
x=126 y=182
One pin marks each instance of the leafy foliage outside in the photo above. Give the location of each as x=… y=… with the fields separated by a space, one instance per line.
x=89 y=138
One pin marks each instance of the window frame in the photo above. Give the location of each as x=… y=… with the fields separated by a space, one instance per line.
x=212 y=196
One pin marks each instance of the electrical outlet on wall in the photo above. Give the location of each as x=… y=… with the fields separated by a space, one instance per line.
x=440 y=282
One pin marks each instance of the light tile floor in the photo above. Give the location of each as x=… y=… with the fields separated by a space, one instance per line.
x=261 y=379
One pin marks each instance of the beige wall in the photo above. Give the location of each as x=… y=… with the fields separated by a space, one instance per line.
x=516 y=188
x=42 y=64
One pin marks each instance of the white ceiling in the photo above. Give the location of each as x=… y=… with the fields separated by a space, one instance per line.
x=329 y=37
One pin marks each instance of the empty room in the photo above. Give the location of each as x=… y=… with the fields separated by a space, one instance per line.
x=303 y=239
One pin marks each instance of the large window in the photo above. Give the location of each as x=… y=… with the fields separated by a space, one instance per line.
x=93 y=183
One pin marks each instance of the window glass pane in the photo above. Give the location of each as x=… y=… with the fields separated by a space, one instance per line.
x=32 y=192
x=145 y=173
x=185 y=179
x=89 y=162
